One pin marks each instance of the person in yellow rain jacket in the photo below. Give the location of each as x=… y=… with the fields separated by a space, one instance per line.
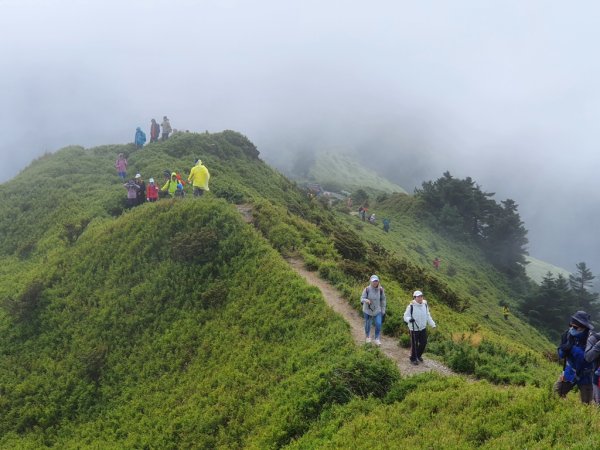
x=171 y=185
x=199 y=177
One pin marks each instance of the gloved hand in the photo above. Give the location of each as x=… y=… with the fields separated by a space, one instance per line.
x=411 y=320
x=566 y=344
x=566 y=347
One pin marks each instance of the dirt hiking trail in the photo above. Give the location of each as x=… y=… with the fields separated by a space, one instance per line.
x=389 y=346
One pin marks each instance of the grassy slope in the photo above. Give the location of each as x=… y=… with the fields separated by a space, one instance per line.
x=463 y=268
x=537 y=269
x=341 y=170
x=176 y=325
x=133 y=344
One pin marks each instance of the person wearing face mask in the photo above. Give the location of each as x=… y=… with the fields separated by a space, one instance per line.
x=577 y=370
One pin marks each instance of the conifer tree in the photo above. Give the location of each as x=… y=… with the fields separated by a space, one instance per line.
x=580 y=283
x=550 y=305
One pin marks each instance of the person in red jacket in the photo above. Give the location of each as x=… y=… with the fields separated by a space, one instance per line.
x=151 y=191
x=154 y=131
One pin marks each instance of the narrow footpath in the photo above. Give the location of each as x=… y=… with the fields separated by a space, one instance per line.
x=389 y=346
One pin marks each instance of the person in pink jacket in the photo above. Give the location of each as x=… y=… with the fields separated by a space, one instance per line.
x=121 y=166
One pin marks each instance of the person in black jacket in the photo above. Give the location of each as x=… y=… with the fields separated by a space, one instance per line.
x=141 y=193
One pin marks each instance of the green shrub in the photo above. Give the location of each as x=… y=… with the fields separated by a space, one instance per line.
x=364 y=374
x=284 y=237
x=394 y=323
x=349 y=245
x=405 y=340
x=26 y=306
x=195 y=246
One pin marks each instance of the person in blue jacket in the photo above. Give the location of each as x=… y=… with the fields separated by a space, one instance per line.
x=140 y=138
x=577 y=371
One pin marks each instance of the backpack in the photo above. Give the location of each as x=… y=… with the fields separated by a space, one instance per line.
x=380 y=290
x=411 y=310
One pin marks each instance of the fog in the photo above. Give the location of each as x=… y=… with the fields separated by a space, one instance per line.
x=503 y=91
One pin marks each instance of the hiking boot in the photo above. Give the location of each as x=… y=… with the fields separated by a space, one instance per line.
x=368 y=340
x=377 y=342
x=414 y=362
x=420 y=359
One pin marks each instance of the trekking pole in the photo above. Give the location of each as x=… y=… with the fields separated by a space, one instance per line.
x=413 y=344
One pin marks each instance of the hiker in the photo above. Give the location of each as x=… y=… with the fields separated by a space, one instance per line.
x=436 y=263
x=179 y=192
x=141 y=193
x=417 y=316
x=199 y=177
x=166 y=128
x=171 y=185
x=166 y=179
x=140 y=138
x=373 y=305
x=386 y=225
x=121 y=166
x=362 y=211
x=372 y=219
x=349 y=202
x=154 y=130
x=577 y=369
x=505 y=312
x=132 y=191
x=151 y=191
x=592 y=354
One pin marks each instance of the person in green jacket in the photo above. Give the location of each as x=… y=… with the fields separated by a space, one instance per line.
x=199 y=177
x=171 y=185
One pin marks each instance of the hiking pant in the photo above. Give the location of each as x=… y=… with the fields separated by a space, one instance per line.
x=562 y=388
x=596 y=394
x=165 y=136
x=418 y=343
x=198 y=192
x=378 y=322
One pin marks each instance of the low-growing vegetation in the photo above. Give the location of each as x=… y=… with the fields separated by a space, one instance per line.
x=178 y=325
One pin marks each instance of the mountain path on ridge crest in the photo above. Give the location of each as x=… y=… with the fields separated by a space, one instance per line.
x=389 y=346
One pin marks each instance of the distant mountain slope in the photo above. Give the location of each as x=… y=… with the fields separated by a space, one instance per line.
x=343 y=172
x=538 y=269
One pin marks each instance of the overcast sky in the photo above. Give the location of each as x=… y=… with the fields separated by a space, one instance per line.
x=503 y=91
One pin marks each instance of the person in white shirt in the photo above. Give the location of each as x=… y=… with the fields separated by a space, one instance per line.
x=417 y=316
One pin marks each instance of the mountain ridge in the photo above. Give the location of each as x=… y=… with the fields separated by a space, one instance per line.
x=177 y=324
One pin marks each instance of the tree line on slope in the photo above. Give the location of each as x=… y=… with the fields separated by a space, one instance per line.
x=547 y=306
x=464 y=211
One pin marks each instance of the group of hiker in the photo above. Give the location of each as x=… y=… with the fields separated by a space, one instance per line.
x=140 y=137
x=362 y=213
x=580 y=350
x=138 y=192
x=416 y=317
x=579 y=347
